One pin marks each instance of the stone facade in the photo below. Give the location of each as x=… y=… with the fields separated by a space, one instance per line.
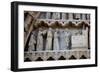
x=61 y=38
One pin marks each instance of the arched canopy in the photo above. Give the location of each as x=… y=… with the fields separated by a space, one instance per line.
x=83 y=25
x=56 y=24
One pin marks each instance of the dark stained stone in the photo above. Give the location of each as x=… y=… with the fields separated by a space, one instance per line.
x=27 y=60
x=39 y=59
x=62 y=58
x=50 y=58
x=72 y=57
x=83 y=57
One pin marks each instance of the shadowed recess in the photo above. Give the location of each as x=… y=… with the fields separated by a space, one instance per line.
x=50 y=58
x=27 y=60
x=39 y=59
x=62 y=58
x=72 y=57
x=83 y=57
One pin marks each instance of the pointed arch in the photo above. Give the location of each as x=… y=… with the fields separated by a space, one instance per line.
x=83 y=57
x=50 y=58
x=72 y=57
x=43 y=24
x=27 y=60
x=83 y=25
x=39 y=59
x=56 y=24
x=70 y=25
x=61 y=58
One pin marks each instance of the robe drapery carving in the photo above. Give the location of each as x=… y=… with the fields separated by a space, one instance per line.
x=62 y=43
x=67 y=39
x=49 y=39
x=32 y=43
x=55 y=41
x=39 y=41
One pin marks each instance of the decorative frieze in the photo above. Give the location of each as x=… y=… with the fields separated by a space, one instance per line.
x=58 y=55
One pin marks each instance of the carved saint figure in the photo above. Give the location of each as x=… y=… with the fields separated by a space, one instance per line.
x=67 y=39
x=55 y=41
x=62 y=43
x=39 y=41
x=32 y=43
x=49 y=39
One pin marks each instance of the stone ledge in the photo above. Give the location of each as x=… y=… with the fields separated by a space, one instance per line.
x=58 y=55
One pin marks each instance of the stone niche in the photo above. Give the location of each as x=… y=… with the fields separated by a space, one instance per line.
x=79 y=41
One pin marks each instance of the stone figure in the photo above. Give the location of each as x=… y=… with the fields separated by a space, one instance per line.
x=32 y=43
x=67 y=39
x=49 y=39
x=55 y=41
x=27 y=22
x=62 y=43
x=85 y=33
x=39 y=46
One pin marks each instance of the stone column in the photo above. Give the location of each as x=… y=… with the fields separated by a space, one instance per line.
x=83 y=17
x=77 y=16
x=70 y=16
x=48 y=15
x=67 y=39
x=27 y=22
x=85 y=33
x=56 y=15
x=63 y=16
x=88 y=16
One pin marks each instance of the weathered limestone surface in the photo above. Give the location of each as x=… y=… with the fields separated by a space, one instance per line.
x=59 y=43
x=44 y=55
